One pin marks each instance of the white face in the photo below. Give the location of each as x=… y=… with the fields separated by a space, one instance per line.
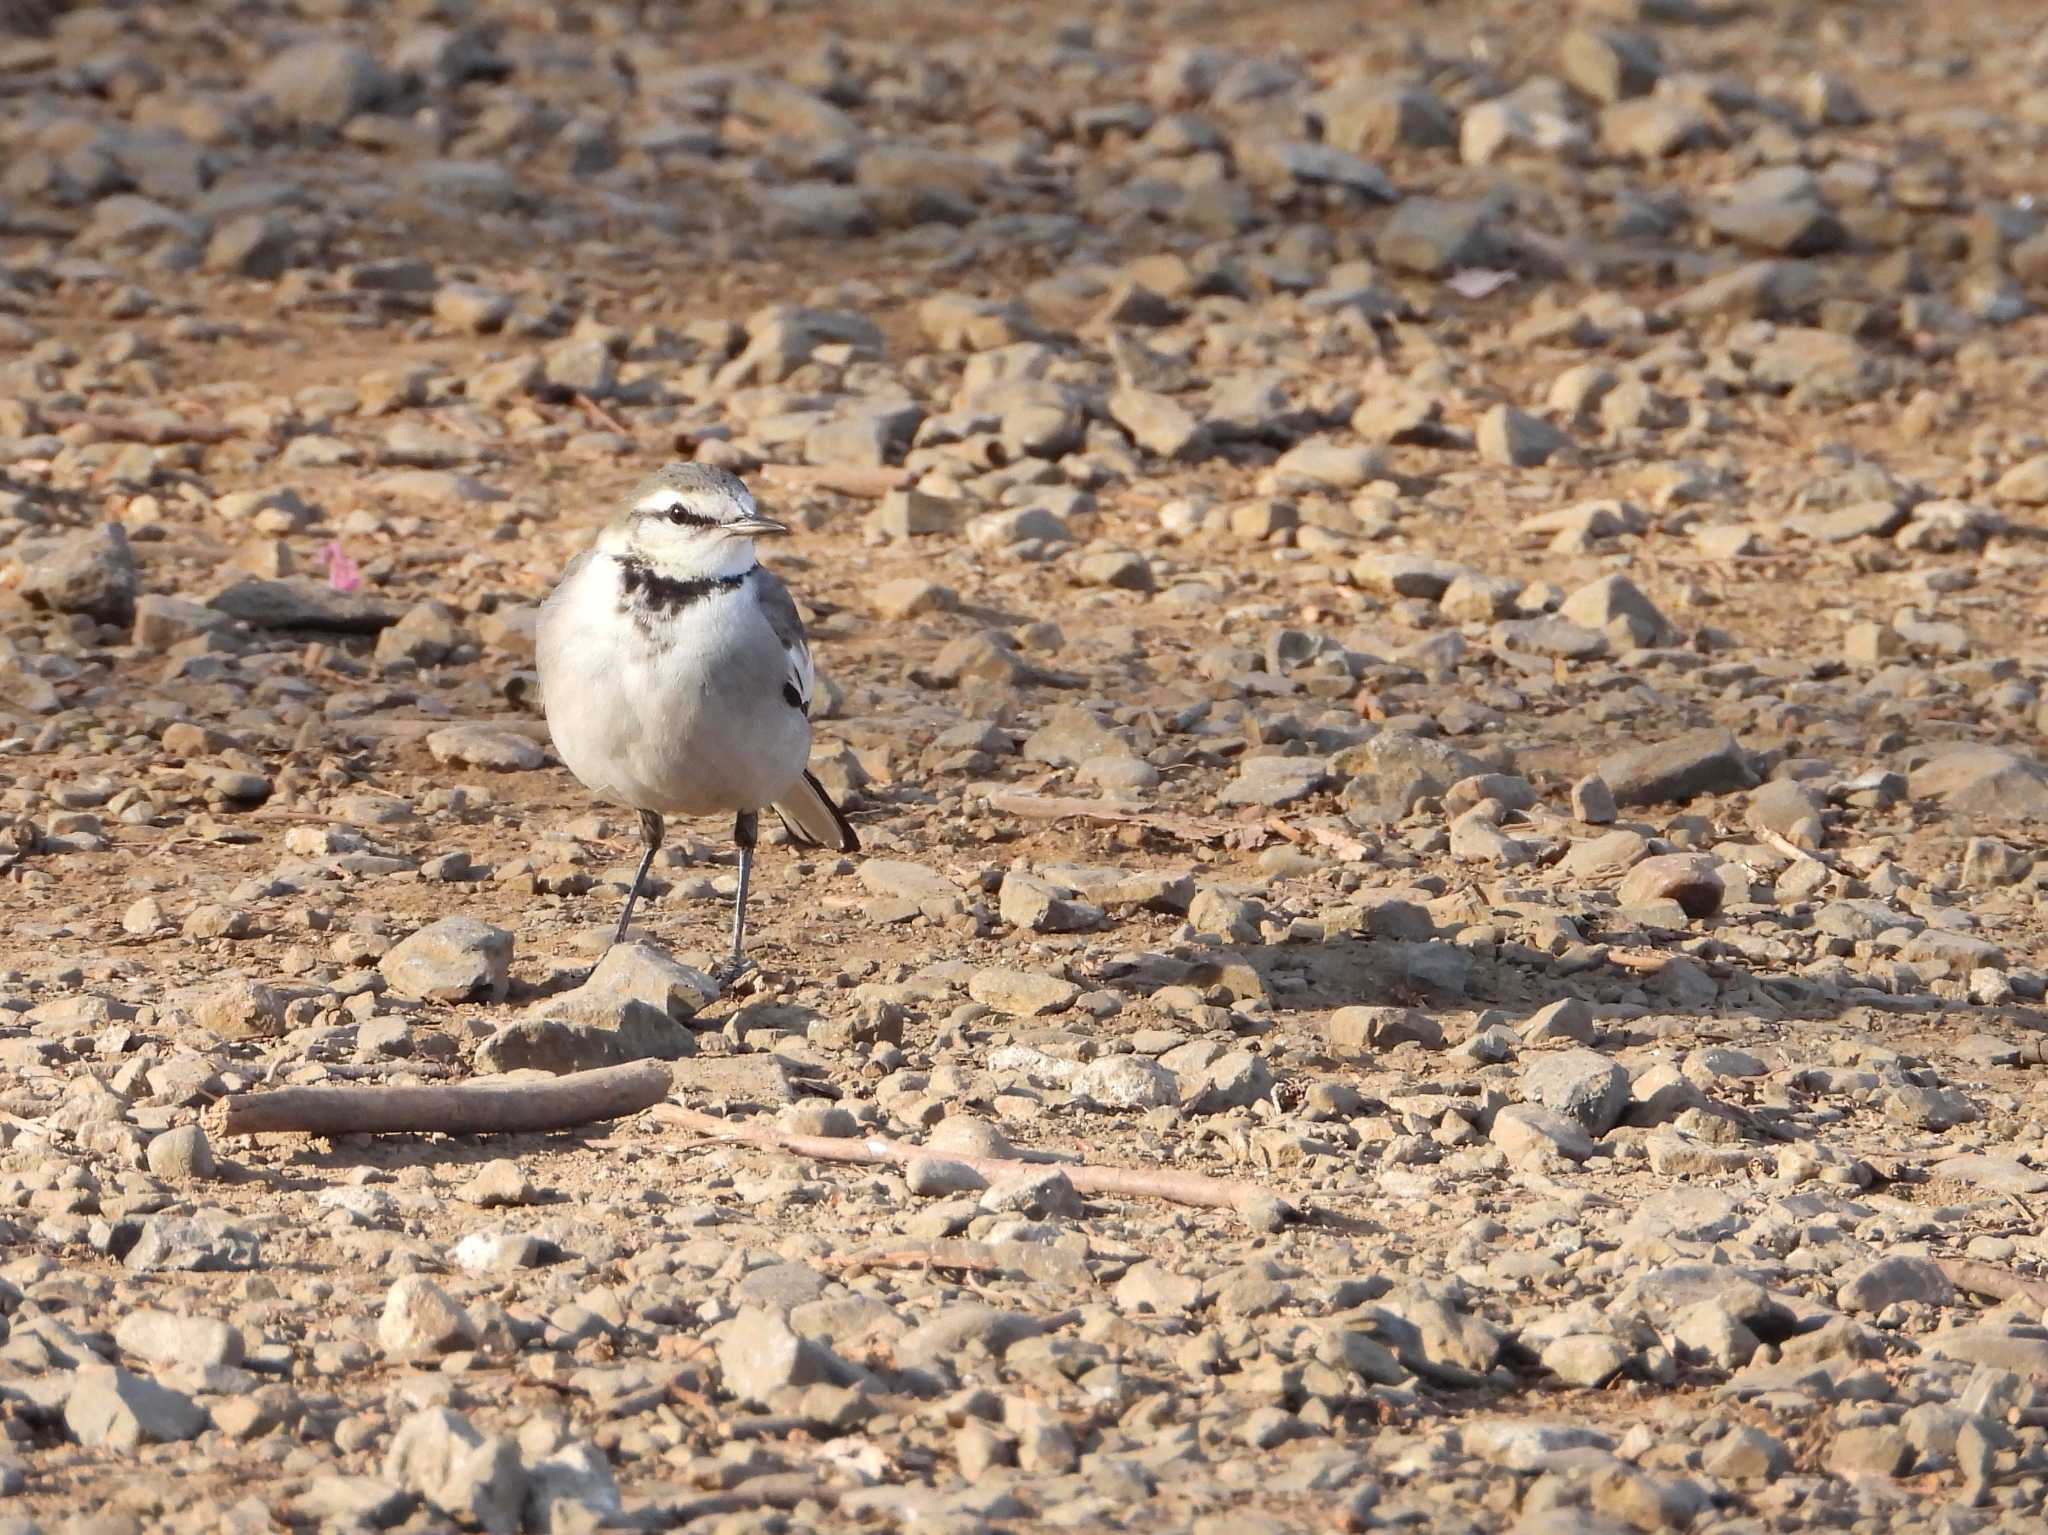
x=701 y=532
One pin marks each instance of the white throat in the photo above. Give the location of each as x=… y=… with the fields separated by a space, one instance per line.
x=725 y=557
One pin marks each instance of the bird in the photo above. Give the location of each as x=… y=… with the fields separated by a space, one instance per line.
x=676 y=678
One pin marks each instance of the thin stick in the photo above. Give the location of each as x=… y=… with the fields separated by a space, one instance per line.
x=154 y=431
x=1793 y=850
x=464 y=1108
x=603 y=417
x=962 y=1256
x=845 y=479
x=1989 y=1280
x=1086 y=1177
x=1054 y=807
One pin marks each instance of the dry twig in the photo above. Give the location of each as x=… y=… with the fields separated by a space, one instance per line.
x=960 y=1256
x=154 y=430
x=1987 y=1279
x=874 y=1151
x=603 y=417
x=463 y=1108
x=1056 y=807
x=844 y=479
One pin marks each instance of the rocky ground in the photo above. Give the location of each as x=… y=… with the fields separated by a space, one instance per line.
x=1435 y=607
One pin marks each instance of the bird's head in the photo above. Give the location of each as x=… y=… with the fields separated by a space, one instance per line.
x=691 y=520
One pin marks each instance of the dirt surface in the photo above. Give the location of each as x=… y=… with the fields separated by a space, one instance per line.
x=1436 y=610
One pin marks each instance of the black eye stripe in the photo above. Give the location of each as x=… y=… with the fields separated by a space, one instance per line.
x=683 y=517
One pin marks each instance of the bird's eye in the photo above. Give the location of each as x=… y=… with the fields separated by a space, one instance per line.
x=678 y=517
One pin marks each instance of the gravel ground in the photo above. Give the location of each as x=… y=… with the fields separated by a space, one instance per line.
x=1436 y=609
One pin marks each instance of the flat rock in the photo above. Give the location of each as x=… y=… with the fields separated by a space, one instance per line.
x=457 y=959
x=111 y=1407
x=295 y=602
x=1698 y=762
x=492 y=747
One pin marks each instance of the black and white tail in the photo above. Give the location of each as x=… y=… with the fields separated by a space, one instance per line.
x=814 y=821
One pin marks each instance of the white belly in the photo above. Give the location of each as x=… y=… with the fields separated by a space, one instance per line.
x=686 y=720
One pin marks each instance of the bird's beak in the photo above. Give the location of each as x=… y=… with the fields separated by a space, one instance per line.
x=758 y=526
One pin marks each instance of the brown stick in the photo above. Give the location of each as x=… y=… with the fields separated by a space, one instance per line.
x=873 y=1151
x=154 y=431
x=465 y=1108
x=845 y=479
x=1993 y=1282
x=961 y=1256
x=1034 y=806
x=603 y=417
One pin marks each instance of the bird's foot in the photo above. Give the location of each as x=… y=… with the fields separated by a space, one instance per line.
x=733 y=971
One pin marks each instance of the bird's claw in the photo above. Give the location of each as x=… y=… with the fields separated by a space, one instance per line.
x=733 y=971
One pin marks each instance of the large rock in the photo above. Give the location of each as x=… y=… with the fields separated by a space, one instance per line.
x=419 y=1318
x=1433 y=238
x=1615 y=604
x=494 y=748
x=1665 y=772
x=458 y=959
x=1894 y=1278
x=1582 y=1085
x=324 y=82
x=633 y=973
x=758 y=1355
x=296 y=602
x=1022 y=993
x=197 y=1244
x=111 y=1407
x=92 y=573
x=1690 y=879
x=1984 y=781
x=478 y=1481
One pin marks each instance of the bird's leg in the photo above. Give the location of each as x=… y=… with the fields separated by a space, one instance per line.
x=746 y=829
x=650 y=829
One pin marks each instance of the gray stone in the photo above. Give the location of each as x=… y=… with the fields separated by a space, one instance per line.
x=1617 y=603
x=1698 y=762
x=111 y=1407
x=476 y=1480
x=759 y=1355
x=1587 y=1360
x=490 y=747
x=420 y=1319
x=1690 y=879
x=200 y=1244
x=1353 y=1030
x=572 y=1489
x=1984 y=781
x=1891 y=1280
x=1022 y=993
x=299 y=603
x=457 y=959
x=90 y=572
x=1746 y=1454
x=1126 y=1082
x=1157 y=423
x=1521 y=1129
x=1233 y=918
x=181 y=1155
x=323 y=82
x=1271 y=782
x=636 y=971
x=1795 y=811
x=166 y=1340
x=1878 y=1450
x=1515 y=439
x=1434 y=238
x=1583 y=1085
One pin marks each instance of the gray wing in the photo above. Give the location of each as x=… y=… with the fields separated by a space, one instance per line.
x=780 y=611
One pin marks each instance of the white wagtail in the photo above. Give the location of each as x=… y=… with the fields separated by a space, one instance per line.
x=676 y=678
